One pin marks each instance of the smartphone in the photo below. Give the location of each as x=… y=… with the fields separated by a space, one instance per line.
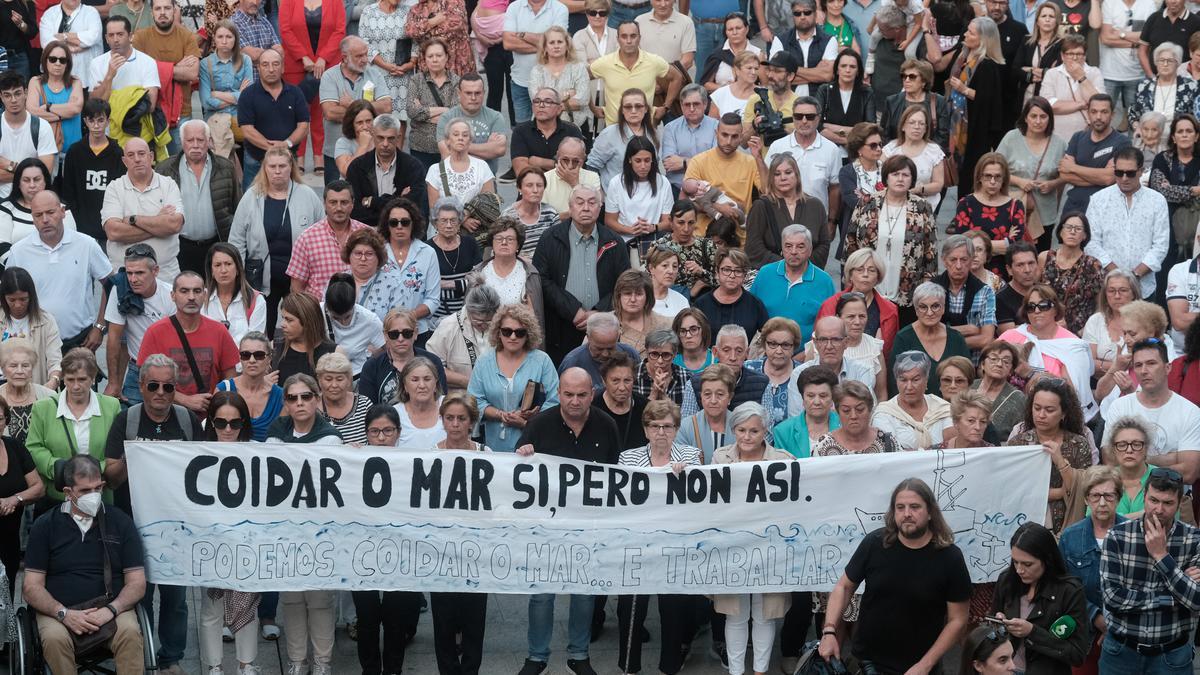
x=992 y=619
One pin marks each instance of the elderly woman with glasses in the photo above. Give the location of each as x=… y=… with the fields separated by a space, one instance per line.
x=1050 y=346
x=763 y=610
x=658 y=376
x=379 y=380
x=1169 y=93
x=256 y=383
x=997 y=363
x=708 y=428
x=928 y=335
x=17 y=363
x=915 y=418
x=1103 y=330
x=511 y=274
x=992 y=209
x=1071 y=85
x=955 y=376
x=1126 y=449
x=779 y=339
x=730 y=302
x=503 y=375
x=633 y=305
x=378 y=283
x=1054 y=420
x=459 y=341
x=695 y=338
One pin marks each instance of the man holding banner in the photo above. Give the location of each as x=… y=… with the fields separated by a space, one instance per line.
x=918 y=588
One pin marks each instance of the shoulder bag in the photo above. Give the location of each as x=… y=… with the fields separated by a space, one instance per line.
x=197 y=377
x=89 y=642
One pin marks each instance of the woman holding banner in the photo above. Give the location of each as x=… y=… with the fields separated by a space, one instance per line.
x=748 y=422
x=660 y=420
x=229 y=421
x=707 y=429
x=420 y=397
x=395 y=612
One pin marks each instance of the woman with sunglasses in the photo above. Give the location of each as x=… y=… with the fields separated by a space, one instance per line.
x=229 y=421
x=1054 y=420
x=231 y=299
x=917 y=89
x=987 y=651
x=1035 y=594
x=379 y=379
x=591 y=42
x=403 y=226
x=504 y=374
x=56 y=95
x=418 y=400
x=308 y=615
x=256 y=383
x=859 y=178
x=1049 y=346
x=303 y=336
x=340 y=405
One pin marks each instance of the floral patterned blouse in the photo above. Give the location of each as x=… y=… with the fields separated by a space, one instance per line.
x=1078 y=288
x=383 y=292
x=381 y=31
x=827 y=445
x=775 y=396
x=1006 y=221
x=1148 y=97
x=920 y=257
x=703 y=250
x=454 y=29
x=1076 y=451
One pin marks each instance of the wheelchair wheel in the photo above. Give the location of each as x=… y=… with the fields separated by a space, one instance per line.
x=25 y=654
x=149 y=644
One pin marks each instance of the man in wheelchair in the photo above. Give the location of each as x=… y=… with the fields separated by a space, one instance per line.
x=65 y=568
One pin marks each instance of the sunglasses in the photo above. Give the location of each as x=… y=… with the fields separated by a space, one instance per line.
x=1168 y=475
x=510 y=332
x=1043 y=306
x=222 y=424
x=1125 y=174
x=402 y=222
x=807 y=117
x=873 y=146
x=802 y=12
x=62 y=60
x=597 y=12
x=153 y=386
x=909 y=76
x=306 y=396
x=258 y=355
x=406 y=333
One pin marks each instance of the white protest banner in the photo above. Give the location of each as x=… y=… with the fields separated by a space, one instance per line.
x=272 y=516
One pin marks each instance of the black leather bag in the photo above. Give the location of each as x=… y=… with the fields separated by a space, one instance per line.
x=89 y=642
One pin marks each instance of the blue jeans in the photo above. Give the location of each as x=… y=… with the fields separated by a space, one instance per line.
x=709 y=38
x=18 y=60
x=250 y=169
x=131 y=388
x=1123 y=94
x=1117 y=659
x=541 y=626
x=620 y=13
x=268 y=605
x=172 y=621
x=522 y=106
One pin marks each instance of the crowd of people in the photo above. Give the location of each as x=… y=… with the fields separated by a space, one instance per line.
x=657 y=295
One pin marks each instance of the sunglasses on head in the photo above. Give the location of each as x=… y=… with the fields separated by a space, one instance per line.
x=306 y=396
x=153 y=386
x=510 y=332
x=257 y=355
x=406 y=333
x=1043 y=306
x=402 y=222
x=222 y=424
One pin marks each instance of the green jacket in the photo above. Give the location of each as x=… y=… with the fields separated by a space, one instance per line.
x=48 y=441
x=791 y=435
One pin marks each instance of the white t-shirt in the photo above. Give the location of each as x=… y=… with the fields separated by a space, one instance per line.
x=929 y=158
x=1183 y=283
x=139 y=70
x=463 y=185
x=418 y=439
x=673 y=304
x=364 y=332
x=1121 y=63
x=16 y=143
x=156 y=306
x=727 y=102
x=641 y=204
x=236 y=319
x=1174 y=426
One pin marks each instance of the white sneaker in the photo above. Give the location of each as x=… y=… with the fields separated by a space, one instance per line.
x=226 y=634
x=297 y=668
x=249 y=669
x=321 y=669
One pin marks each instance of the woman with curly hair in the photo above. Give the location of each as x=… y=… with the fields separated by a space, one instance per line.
x=1054 y=420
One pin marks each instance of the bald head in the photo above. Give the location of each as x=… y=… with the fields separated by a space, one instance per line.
x=47 y=213
x=139 y=161
x=575 y=395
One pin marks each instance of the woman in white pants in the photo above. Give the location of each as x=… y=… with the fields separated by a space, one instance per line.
x=229 y=421
x=756 y=613
x=306 y=614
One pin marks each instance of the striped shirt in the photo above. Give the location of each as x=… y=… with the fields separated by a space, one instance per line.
x=352 y=427
x=1147 y=601
x=640 y=457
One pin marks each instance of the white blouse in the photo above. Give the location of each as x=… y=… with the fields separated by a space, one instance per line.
x=511 y=288
x=926 y=161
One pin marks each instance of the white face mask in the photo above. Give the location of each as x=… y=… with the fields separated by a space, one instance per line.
x=89 y=503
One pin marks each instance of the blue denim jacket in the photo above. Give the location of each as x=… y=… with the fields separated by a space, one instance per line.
x=216 y=75
x=1082 y=555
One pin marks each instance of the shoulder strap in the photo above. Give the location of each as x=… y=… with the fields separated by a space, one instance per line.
x=197 y=377
x=184 y=420
x=104 y=547
x=133 y=417
x=437 y=96
x=70 y=436
x=250 y=305
x=696 y=430
x=445 y=181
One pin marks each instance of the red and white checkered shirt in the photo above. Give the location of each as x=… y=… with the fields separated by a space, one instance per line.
x=316 y=257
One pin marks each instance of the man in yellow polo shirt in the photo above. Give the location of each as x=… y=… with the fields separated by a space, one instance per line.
x=728 y=169
x=630 y=67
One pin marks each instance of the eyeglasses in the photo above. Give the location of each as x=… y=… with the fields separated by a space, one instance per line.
x=1072 y=228
x=1168 y=475
x=153 y=386
x=1163 y=60
x=771 y=344
x=1075 y=54
x=62 y=60
x=446 y=221
x=222 y=424
x=406 y=333
x=990 y=177
x=378 y=432
x=257 y=355
x=999 y=359
x=517 y=332
x=1125 y=173
x=544 y=102
x=13 y=95
x=504 y=239
x=1102 y=496
x=362 y=255
x=597 y=12
x=661 y=428
x=659 y=356
x=402 y=222
x=802 y=12
x=732 y=272
x=929 y=309
x=873 y=146
x=1042 y=306
x=1130 y=446
x=306 y=396
x=690 y=330
x=570 y=162
x=633 y=106
x=828 y=340
x=807 y=117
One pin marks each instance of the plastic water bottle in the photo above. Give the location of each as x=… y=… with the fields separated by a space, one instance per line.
x=369 y=91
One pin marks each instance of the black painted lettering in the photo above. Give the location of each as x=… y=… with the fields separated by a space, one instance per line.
x=192 y=474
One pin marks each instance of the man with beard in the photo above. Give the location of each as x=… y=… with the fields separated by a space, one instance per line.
x=1088 y=163
x=170 y=43
x=918 y=589
x=343 y=85
x=1023 y=273
x=199 y=346
x=1150 y=601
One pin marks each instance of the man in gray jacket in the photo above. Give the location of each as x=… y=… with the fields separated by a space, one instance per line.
x=210 y=193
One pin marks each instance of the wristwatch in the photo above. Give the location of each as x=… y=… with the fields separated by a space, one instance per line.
x=101 y=326
x=1122 y=35
x=20 y=499
x=133 y=220
x=61 y=614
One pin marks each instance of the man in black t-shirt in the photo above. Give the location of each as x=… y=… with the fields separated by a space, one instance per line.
x=1023 y=273
x=159 y=419
x=64 y=568
x=918 y=588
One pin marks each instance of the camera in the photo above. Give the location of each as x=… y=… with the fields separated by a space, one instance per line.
x=768 y=122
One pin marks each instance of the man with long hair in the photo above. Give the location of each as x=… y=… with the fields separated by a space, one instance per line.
x=918 y=588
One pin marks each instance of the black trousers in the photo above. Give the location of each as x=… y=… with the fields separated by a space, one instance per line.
x=397 y=612
x=10 y=547
x=673 y=611
x=192 y=254
x=796 y=623
x=496 y=65
x=455 y=613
